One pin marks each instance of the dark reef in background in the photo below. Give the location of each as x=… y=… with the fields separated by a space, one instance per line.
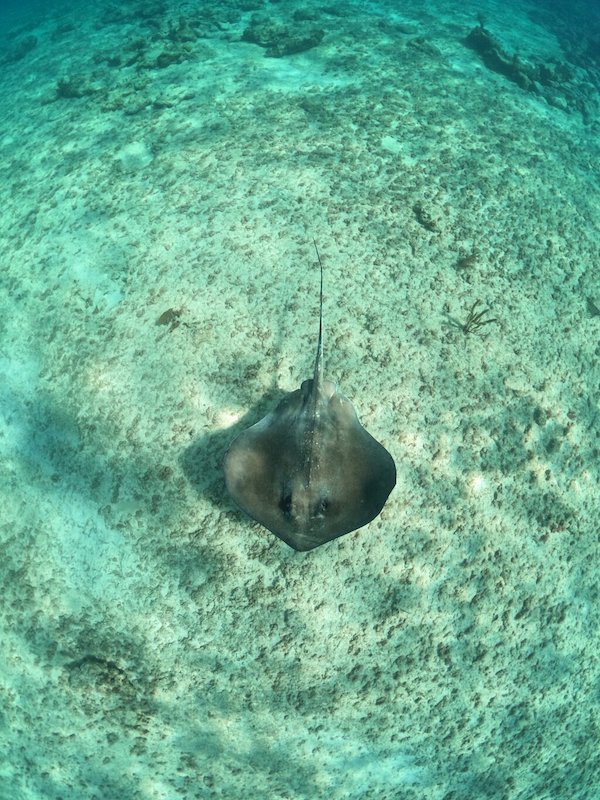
x=561 y=83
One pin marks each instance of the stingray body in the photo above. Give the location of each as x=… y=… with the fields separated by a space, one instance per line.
x=309 y=471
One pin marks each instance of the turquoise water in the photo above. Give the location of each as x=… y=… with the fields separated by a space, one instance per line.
x=165 y=168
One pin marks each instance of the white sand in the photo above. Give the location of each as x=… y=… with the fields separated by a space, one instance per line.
x=155 y=642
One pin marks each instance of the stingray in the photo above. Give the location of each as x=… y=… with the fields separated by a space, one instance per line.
x=308 y=471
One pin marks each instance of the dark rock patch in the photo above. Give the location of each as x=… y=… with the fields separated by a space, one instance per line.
x=70 y=88
x=19 y=50
x=279 y=39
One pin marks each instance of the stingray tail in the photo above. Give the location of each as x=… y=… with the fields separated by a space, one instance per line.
x=318 y=376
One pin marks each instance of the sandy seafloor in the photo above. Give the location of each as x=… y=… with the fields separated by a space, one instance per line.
x=155 y=642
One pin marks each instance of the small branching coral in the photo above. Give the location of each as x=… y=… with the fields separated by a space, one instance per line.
x=475 y=319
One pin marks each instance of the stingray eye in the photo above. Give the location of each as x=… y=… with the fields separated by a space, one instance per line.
x=322 y=507
x=285 y=503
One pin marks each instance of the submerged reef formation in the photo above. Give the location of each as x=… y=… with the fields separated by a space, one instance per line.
x=555 y=81
x=123 y=73
x=495 y=57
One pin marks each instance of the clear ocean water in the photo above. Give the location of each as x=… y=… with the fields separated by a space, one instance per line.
x=164 y=170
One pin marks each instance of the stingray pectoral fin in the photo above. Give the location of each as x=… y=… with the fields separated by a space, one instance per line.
x=374 y=477
x=361 y=474
x=368 y=466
